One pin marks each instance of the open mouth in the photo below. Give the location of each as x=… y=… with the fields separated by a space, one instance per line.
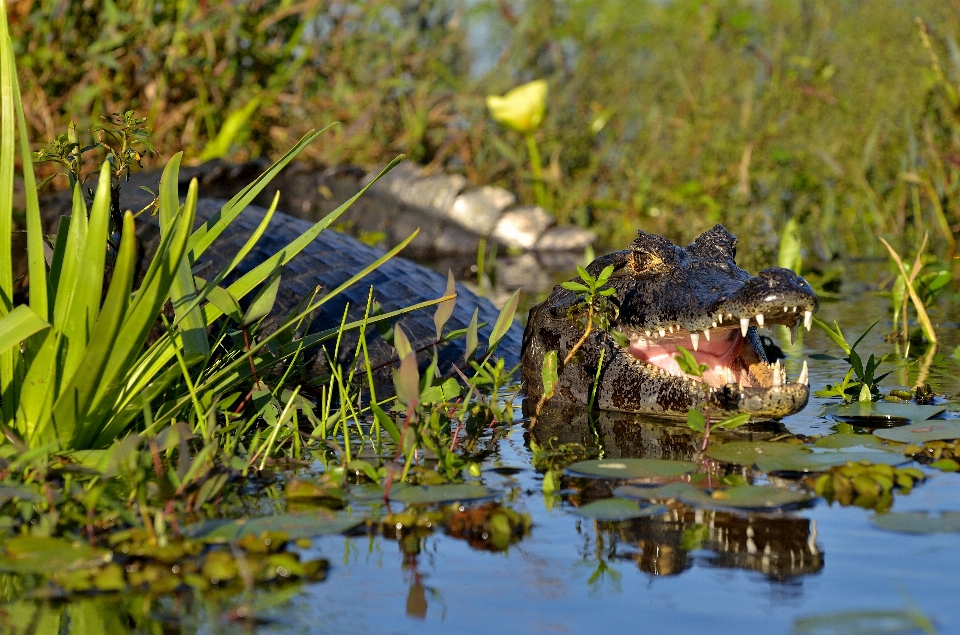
x=726 y=348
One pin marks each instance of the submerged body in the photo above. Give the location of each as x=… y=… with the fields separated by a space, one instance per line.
x=667 y=296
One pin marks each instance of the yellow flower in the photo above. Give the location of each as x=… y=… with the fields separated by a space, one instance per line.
x=521 y=108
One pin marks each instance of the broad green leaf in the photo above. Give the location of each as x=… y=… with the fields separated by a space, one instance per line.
x=919 y=522
x=688 y=363
x=880 y=413
x=386 y=422
x=295 y=526
x=789 y=457
x=618 y=509
x=734 y=422
x=9 y=359
x=504 y=320
x=696 y=421
x=406 y=380
x=445 y=308
x=752 y=497
x=18 y=325
x=842 y=440
x=402 y=343
x=920 y=433
x=632 y=468
x=868 y=622
x=444 y=493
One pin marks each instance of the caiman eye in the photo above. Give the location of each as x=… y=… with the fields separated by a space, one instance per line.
x=645 y=260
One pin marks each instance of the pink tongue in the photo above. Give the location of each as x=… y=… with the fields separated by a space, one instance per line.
x=717 y=354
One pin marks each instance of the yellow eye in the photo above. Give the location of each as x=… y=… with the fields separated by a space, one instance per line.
x=645 y=260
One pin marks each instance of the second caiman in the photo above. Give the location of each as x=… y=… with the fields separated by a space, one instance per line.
x=668 y=296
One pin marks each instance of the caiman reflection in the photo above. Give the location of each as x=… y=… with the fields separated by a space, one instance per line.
x=781 y=545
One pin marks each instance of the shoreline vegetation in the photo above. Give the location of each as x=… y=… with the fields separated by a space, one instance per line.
x=668 y=116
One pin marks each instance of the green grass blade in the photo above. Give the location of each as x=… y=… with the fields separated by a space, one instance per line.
x=10 y=358
x=84 y=306
x=18 y=325
x=183 y=292
x=259 y=273
x=504 y=321
x=204 y=236
x=56 y=263
x=72 y=257
x=36 y=266
x=73 y=430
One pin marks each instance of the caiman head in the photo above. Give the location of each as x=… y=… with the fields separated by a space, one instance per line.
x=668 y=296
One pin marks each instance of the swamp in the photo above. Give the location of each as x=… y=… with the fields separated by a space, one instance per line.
x=266 y=266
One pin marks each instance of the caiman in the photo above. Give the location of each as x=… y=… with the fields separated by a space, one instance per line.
x=668 y=296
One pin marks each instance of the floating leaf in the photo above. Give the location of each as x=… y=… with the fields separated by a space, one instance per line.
x=863 y=623
x=790 y=457
x=764 y=497
x=633 y=468
x=35 y=554
x=444 y=493
x=881 y=413
x=920 y=433
x=919 y=522
x=747 y=452
x=661 y=493
x=841 y=440
x=618 y=509
x=295 y=526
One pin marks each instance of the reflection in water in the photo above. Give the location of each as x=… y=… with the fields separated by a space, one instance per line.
x=780 y=545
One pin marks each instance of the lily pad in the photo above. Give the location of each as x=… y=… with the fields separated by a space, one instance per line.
x=294 y=525
x=770 y=456
x=919 y=522
x=838 y=441
x=33 y=554
x=920 y=433
x=444 y=493
x=747 y=452
x=618 y=509
x=663 y=492
x=633 y=468
x=879 y=622
x=873 y=414
x=752 y=497
x=823 y=461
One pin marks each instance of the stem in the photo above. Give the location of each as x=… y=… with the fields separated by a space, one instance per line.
x=583 y=339
x=536 y=166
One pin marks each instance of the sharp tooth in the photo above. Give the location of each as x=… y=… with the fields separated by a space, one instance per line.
x=744 y=325
x=760 y=319
x=671 y=328
x=785 y=309
x=807 y=319
x=720 y=318
x=793 y=331
x=794 y=309
x=731 y=378
x=647 y=333
x=714 y=325
x=706 y=334
x=695 y=340
x=662 y=332
x=777 y=381
x=804 y=377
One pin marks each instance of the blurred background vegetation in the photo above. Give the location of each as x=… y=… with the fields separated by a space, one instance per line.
x=666 y=115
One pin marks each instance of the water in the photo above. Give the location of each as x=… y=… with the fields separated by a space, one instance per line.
x=549 y=582
x=574 y=575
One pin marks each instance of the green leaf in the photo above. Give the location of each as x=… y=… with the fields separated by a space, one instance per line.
x=37 y=554
x=696 y=421
x=920 y=433
x=575 y=286
x=386 y=422
x=444 y=493
x=183 y=292
x=618 y=509
x=632 y=468
x=18 y=325
x=402 y=343
x=406 y=380
x=445 y=308
x=548 y=374
x=836 y=336
x=504 y=321
x=263 y=302
x=919 y=522
x=688 y=363
x=471 y=337
x=295 y=526
x=734 y=422
x=230 y=131
x=789 y=255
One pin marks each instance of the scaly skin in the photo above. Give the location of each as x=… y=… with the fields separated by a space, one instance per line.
x=696 y=297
